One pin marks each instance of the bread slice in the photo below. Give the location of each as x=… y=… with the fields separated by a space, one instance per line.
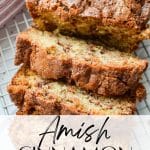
x=34 y=95
x=117 y=23
x=92 y=67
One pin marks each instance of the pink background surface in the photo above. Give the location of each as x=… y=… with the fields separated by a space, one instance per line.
x=8 y=9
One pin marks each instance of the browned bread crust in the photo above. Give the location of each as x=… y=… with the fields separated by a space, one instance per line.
x=118 y=23
x=34 y=95
x=102 y=71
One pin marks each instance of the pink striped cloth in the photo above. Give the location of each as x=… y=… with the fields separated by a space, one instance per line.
x=8 y=9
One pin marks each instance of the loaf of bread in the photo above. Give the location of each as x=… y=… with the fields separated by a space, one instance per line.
x=104 y=71
x=118 y=23
x=34 y=95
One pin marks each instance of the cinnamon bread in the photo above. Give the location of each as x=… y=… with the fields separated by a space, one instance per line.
x=92 y=67
x=34 y=95
x=118 y=23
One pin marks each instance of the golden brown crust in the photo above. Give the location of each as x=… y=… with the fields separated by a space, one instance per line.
x=35 y=100
x=36 y=104
x=100 y=78
x=129 y=13
x=17 y=92
x=140 y=92
x=112 y=21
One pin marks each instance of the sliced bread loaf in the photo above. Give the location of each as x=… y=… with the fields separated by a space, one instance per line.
x=117 y=23
x=34 y=95
x=105 y=71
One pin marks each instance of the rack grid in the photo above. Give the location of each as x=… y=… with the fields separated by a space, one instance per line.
x=7 y=68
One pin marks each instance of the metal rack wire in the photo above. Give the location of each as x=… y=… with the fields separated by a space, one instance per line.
x=7 y=68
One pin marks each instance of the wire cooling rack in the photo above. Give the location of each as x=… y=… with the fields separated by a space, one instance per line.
x=7 y=52
x=7 y=68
